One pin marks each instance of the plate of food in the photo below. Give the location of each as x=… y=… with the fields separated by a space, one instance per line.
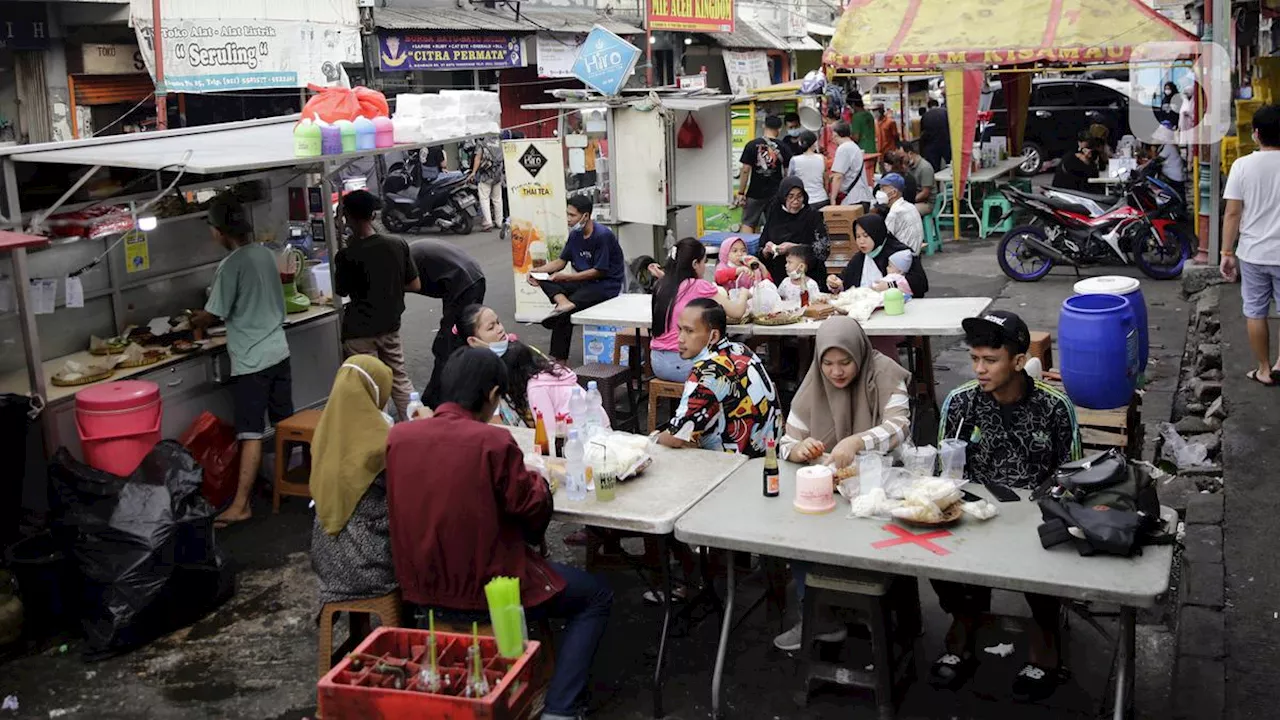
x=780 y=317
x=928 y=519
x=73 y=374
x=108 y=346
x=145 y=358
x=184 y=347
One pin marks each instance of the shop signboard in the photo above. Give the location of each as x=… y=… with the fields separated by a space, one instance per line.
x=535 y=188
x=24 y=26
x=704 y=16
x=209 y=55
x=449 y=51
x=556 y=54
x=108 y=59
x=605 y=61
x=747 y=70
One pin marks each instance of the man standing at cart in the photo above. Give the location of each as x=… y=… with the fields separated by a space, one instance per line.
x=1017 y=431
x=446 y=272
x=246 y=295
x=375 y=271
x=764 y=163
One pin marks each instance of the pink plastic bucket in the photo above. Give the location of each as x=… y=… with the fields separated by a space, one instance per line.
x=118 y=424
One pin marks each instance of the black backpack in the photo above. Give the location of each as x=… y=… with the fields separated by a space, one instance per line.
x=1102 y=504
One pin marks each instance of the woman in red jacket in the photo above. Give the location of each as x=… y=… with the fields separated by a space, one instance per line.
x=464 y=509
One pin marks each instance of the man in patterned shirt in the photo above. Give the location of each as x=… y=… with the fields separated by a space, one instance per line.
x=729 y=402
x=1018 y=431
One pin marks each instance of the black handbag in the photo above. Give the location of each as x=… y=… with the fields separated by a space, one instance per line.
x=1101 y=504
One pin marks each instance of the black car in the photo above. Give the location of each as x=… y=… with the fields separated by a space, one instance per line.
x=1057 y=112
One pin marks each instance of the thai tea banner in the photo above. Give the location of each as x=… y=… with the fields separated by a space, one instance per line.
x=704 y=16
x=448 y=51
x=208 y=55
x=535 y=188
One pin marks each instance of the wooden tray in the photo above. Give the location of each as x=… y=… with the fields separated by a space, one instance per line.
x=790 y=320
x=106 y=350
x=145 y=361
x=86 y=380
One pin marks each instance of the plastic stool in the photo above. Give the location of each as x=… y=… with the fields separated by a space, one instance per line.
x=932 y=236
x=298 y=428
x=996 y=200
x=609 y=378
x=876 y=598
x=659 y=389
x=386 y=607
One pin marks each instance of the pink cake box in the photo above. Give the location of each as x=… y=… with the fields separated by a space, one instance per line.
x=815 y=490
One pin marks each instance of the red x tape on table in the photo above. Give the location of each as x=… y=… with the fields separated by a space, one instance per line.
x=906 y=536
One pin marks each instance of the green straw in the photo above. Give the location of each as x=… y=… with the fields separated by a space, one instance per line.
x=431 y=639
x=503 y=595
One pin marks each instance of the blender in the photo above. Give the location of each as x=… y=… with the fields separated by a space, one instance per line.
x=290 y=262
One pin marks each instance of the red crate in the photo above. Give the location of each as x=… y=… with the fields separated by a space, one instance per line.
x=356 y=689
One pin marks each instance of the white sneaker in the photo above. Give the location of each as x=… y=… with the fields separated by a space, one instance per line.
x=790 y=641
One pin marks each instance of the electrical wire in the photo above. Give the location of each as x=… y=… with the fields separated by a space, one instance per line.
x=126 y=114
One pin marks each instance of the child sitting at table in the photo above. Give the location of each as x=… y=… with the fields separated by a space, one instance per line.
x=798 y=280
x=899 y=265
x=737 y=268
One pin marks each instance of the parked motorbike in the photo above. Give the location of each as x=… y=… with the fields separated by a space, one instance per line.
x=449 y=202
x=1145 y=225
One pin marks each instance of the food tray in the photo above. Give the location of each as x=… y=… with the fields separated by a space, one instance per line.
x=106 y=350
x=775 y=320
x=356 y=689
x=950 y=515
x=85 y=380
x=150 y=358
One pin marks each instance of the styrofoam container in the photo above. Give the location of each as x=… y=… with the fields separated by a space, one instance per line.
x=321 y=280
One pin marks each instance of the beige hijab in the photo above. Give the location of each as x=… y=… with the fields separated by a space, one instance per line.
x=350 y=446
x=830 y=414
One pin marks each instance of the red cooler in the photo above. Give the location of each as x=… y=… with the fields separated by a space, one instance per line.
x=119 y=423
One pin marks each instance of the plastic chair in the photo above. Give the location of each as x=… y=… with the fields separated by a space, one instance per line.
x=941 y=209
x=932 y=235
x=659 y=389
x=996 y=200
x=608 y=378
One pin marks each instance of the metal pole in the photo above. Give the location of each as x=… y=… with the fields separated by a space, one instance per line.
x=648 y=47
x=157 y=49
x=331 y=237
x=1222 y=37
x=22 y=288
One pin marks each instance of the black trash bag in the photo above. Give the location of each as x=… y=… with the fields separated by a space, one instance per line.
x=143 y=546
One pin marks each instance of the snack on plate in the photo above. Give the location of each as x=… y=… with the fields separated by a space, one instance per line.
x=858 y=303
x=780 y=317
x=925 y=512
x=108 y=346
x=819 y=310
x=873 y=504
x=981 y=509
x=846 y=472
x=74 y=373
x=620 y=454
x=182 y=347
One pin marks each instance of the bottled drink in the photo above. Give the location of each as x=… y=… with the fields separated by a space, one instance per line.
x=415 y=406
x=578 y=407
x=562 y=433
x=595 y=409
x=771 y=480
x=804 y=296
x=540 y=443
x=575 y=473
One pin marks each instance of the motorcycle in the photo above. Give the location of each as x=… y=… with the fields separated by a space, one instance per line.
x=448 y=202
x=1145 y=225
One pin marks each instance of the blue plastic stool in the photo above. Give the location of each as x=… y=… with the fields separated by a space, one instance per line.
x=996 y=200
x=932 y=235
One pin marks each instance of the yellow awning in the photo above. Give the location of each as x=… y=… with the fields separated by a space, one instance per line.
x=926 y=34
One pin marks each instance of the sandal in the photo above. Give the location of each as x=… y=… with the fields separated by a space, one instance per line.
x=951 y=671
x=1253 y=375
x=679 y=594
x=1035 y=683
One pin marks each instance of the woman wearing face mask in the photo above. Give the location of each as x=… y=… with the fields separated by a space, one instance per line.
x=797 y=224
x=811 y=168
x=682 y=281
x=852 y=399
x=875 y=245
x=351 y=538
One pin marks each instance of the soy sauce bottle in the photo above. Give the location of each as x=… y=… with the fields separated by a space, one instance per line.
x=771 y=480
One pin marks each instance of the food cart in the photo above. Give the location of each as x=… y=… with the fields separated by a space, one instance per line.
x=161 y=263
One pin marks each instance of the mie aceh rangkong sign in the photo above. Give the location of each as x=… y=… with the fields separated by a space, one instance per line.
x=705 y=16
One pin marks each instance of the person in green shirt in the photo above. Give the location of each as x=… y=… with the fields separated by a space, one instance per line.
x=863 y=124
x=246 y=295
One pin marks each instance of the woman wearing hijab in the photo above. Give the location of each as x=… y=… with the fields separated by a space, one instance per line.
x=351 y=537
x=797 y=224
x=852 y=399
x=875 y=245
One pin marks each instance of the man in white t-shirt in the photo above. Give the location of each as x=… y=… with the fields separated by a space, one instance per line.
x=848 y=171
x=1251 y=236
x=902 y=219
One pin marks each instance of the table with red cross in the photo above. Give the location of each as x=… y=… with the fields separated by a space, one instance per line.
x=1003 y=553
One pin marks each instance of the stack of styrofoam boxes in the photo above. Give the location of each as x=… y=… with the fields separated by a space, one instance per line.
x=479 y=112
x=449 y=114
x=407 y=119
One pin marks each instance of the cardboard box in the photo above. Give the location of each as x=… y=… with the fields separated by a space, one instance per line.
x=598 y=342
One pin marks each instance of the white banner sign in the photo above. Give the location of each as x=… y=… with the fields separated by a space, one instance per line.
x=557 y=53
x=206 y=55
x=747 y=70
x=535 y=186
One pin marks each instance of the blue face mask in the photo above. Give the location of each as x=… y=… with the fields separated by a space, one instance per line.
x=795 y=132
x=706 y=352
x=499 y=348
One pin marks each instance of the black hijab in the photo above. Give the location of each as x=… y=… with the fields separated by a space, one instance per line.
x=887 y=245
x=802 y=228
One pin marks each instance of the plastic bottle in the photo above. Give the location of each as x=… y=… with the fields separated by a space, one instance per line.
x=366 y=134
x=330 y=139
x=578 y=407
x=415 y=406
x=384 y=132
x=595 y=419
x=306 y=139
x=347 y=130
x=540 y=443
x=562 y=433
x=575 y=472
x=771 y=479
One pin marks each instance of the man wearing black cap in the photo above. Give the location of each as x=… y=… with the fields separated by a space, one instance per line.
x=764 y=162
x=1018 y=432
x=246 y=294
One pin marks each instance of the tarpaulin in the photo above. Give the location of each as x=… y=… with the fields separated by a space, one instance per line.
x=927 y=34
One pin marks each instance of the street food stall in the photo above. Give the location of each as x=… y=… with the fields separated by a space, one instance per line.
x=129 y=252
x=886 y=38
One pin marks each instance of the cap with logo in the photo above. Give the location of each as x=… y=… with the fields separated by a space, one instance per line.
x=1006 y=325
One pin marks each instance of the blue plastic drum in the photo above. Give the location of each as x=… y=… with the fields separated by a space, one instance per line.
x=1131 y=289
x=1098 y=350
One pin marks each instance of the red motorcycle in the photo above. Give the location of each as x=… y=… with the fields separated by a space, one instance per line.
x=1146 y=225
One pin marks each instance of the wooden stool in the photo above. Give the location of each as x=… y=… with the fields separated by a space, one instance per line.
x=1042 y=347
x=876 y=598
x=299 y=428
x=1102 y=430
x=386 y=607
x=608 y=378
x=659 y=389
